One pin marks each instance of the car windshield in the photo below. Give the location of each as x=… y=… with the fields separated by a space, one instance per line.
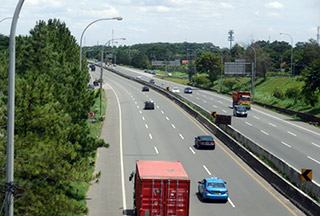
x=206 y=138
x=241 y=108
x=216 y=185
x=245 y=98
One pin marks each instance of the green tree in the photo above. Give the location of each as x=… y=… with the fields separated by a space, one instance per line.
x=140 y=60
x=311 y=89
x=209 y=63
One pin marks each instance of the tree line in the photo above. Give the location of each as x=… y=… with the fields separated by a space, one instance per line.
x=53 y=149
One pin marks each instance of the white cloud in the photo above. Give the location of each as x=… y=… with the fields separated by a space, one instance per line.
x=162 y=8
x=226 y=5
x=257 y=13
x=274 y=5
x=272 y=14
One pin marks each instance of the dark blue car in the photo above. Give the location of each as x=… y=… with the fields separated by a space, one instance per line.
x=213 y=189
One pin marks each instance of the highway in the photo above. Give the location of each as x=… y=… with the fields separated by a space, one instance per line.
x=295 y=142
x=167 y=133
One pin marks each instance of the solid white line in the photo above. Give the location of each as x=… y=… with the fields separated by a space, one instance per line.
x=248 y=124
x=181 y=136
x=286 y=144
x=256 y=117
x=291 y=133
x=192 y=150
x=155 y=148
x=224 y=111
x=231 y=203
x=143 y=118
x=150 y=136
x=173 y=126
x=315 y=145
x=273 y=125
x=264 y=132
x=121 y=154
x=206 y=169
x=313 y=160
x=167 y=118
x=146 y=125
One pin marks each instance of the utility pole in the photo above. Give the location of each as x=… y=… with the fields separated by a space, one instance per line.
x=231 y=37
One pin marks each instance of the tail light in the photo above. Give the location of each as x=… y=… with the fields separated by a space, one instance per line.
x=201 y=142
x=212 y=142
x=206 y=191
x=225 y=192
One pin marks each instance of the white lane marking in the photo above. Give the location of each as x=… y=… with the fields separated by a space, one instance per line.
x=162 y=112
x=220 y=102
x=181 y=136
x=264 y=132
x=138 y=107
x=287 y=122
x=140 y=112
x=135 y=102
x=231 y=203
x=158 y=107
x=286 y=144
x=167 y=118
x=150 y=136
x=204 y=101
x=143 y=118
x=256 y=117
x=121 y=154
x=198 y=93
x=147 y=96
x=315 y=145
x=146 y=126
x=192 y=150
x=292 y=133
x=214 y=106
x=198 y=98
x=273 y=125
x=173 y=126
x=248 y=124
x=207 y=169
x=313 y=160
x=155 y=148
x=204 y=96
x=224 y=111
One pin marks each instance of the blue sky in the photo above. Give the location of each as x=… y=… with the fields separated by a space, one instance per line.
x=146 y=21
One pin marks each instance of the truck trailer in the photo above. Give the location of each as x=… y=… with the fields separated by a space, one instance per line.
x=161 y=188
x=241 y=98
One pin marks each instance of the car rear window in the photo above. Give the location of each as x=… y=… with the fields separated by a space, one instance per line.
x=206 y=138
x=215 y=185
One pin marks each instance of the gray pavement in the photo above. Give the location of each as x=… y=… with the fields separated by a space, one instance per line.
x=104 y=196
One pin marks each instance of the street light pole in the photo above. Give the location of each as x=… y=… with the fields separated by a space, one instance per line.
x=292 y=73
x=10 y=187
x=5 y=19
x=101 y=70
x=253 y=72
x=113 y=18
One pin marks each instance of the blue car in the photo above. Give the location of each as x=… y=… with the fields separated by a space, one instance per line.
x=213 y=189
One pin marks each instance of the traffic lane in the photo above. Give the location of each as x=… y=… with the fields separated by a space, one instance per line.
x=285 y=148
x=241 y=197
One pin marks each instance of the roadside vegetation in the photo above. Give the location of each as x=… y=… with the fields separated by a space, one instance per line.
x=54 y=146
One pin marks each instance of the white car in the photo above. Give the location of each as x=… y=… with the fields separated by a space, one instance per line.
x=175 y=90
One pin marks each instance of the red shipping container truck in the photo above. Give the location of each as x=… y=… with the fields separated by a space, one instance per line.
x=161 y=188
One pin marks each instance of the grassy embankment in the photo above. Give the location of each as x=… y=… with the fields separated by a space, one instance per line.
x=278 y=91
x=79 y=190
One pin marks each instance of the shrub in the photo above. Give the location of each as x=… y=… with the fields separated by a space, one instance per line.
x=292 y=92
x=229 y=83
x=201 y=80
x=278 y=94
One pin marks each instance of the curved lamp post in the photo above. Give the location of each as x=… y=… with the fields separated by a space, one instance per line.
x=10 y=125
x=291 y=51
x=113 y=18
x=101 y=69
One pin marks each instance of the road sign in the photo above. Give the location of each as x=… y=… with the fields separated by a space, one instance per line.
x=91 y=114
x=306 y=174
x=223 y=119
x=213 y=114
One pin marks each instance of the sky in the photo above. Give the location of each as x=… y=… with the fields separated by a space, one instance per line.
x=148 y=21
